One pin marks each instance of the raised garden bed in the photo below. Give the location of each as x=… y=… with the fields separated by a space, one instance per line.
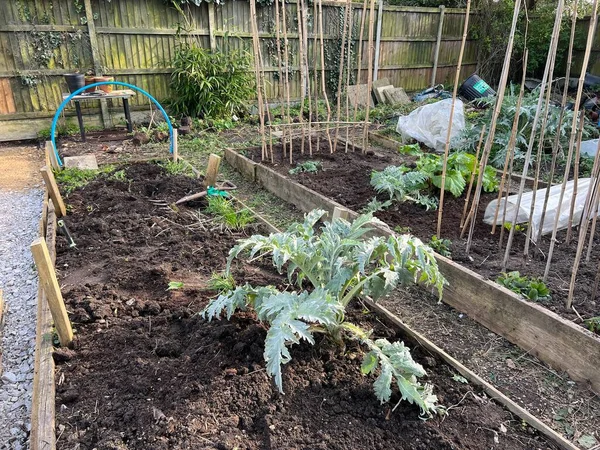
x=344 y=181
x=148 y=372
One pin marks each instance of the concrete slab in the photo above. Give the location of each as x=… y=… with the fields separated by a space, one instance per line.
x=379 y=84
x=359 y=94
x=380 y=93
x=396 y=96
x=83 y=162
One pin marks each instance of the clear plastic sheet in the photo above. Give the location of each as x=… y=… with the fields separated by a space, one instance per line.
x=429 y=123
x=583 y=186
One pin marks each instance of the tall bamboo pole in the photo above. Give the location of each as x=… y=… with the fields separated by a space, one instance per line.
x=370 y=74
x=341 y=72
x=575 y=176
x=348 y=69
x=323 y=86
x=255 y=44
x=512 y=141
x=468 y=196
x=505 y=205
x=538 y=164
x=547 y=75
x=286 y=80
x=449 y=132
x=477 y=196
x=363 y=18
x=301 y=37
x=556 y=144
x=586 y=58
x=280 y=88
x=593 y=230
x=316 y=65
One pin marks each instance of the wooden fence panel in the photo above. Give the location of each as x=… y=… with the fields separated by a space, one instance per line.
x=137 y=39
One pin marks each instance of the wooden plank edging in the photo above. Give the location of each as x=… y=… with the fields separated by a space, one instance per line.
x=43 y=435
x=537 y=330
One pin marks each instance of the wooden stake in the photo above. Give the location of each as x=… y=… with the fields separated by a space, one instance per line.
x=468 y=196
x=301 y=39
x=348 y=69
x=212 y=170
x=545 y=78
x=257 y=64
x=286 y=80
x=340 y=213
x=593 y=231
x=473 y=214
x=53 y=191
x=316 y=65
x=51 y=160
x=449 y=132
x=175 y=145
x=49 y=284
x=586 y=58
x=363 y=18
x=511 y=142
x=280 y=80
x=575 y=176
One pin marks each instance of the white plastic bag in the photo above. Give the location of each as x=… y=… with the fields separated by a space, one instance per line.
x=583 y=185
x=429 y=123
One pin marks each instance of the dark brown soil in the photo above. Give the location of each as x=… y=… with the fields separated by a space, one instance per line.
x=345 y=178
x=148 y=373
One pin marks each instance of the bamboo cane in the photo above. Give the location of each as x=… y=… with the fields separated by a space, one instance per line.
x=279 y=64
x=477 y=196
x=315 y=65
x=301 y=36
x=505 y=206
x=512 y=141
x=449 y=132
x=307 y=81
x=286 y=80
x=547 y=75
x=363 y=18
x=468 y=197
x=575 y=176
x=255 y=44
x=596 y=281
x=348 y=69
x=586 y=58
x=323 y=87
x=556 y=143
x=341 y=72
x=595 y=169
x=370 y=74
x=539 y=153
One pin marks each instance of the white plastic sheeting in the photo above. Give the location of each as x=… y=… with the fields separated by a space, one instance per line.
x=429 y=123
x=589 y=148
x=583 y=185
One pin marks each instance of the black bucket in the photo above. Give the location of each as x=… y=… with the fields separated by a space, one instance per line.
x=74 y=81
x=474 y=87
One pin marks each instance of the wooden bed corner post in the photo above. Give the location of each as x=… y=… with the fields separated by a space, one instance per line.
x=54 y=192
x=212 y=170
x=50 y=156
x=49 y=284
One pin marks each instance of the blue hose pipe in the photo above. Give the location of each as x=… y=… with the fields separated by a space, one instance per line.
x=119 y=83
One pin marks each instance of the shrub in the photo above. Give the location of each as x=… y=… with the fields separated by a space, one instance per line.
x=327 y=270
x=210 y=85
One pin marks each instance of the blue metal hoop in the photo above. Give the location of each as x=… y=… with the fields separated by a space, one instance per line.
x=119 y=83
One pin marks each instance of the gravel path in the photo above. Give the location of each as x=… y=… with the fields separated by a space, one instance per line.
x=20 y=211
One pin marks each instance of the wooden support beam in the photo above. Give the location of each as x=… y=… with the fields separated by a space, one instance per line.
x=212 y=170
x=53 y=191
x=211 y=26
x=51 y=288
x=175 y=140
x=50 y=155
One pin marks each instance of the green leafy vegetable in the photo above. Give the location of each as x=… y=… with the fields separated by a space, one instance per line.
x=530 y=288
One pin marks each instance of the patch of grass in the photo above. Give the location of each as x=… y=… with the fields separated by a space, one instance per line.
x=72 y=178
x=175 y=168
x=227 y=214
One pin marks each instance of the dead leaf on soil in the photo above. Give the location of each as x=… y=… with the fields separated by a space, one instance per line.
x=510 y=363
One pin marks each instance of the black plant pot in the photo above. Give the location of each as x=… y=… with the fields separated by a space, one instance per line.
x=74 y=81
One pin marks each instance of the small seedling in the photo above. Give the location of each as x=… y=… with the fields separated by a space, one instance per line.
x=411 y=150
x=402 y=230
x=593 y=324
x=375 y=206
x=530 y=288
x=519 y=227
x=175 y=285
x=441 y=246
x=119 y=175
x=307 y=166
x=221 y=282
x=460 y=378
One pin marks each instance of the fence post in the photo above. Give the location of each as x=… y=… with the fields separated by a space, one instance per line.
x=89 y=15
x=378 y=39
x=437 y=45
x=211 y=26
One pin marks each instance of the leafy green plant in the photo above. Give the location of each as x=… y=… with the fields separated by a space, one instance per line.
x=375 y=206
x=71 y=178
x=306 y=166
x=442 y=246
x=411 y=149
x=519 y=227
x=224 y=210
x=402 y=230
x=175 y=168
x=221 y=282
x=593 y=324
x=530 y=288
x=416 y=185
x=118 y=175
x=328 y=270
x=209 y=84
